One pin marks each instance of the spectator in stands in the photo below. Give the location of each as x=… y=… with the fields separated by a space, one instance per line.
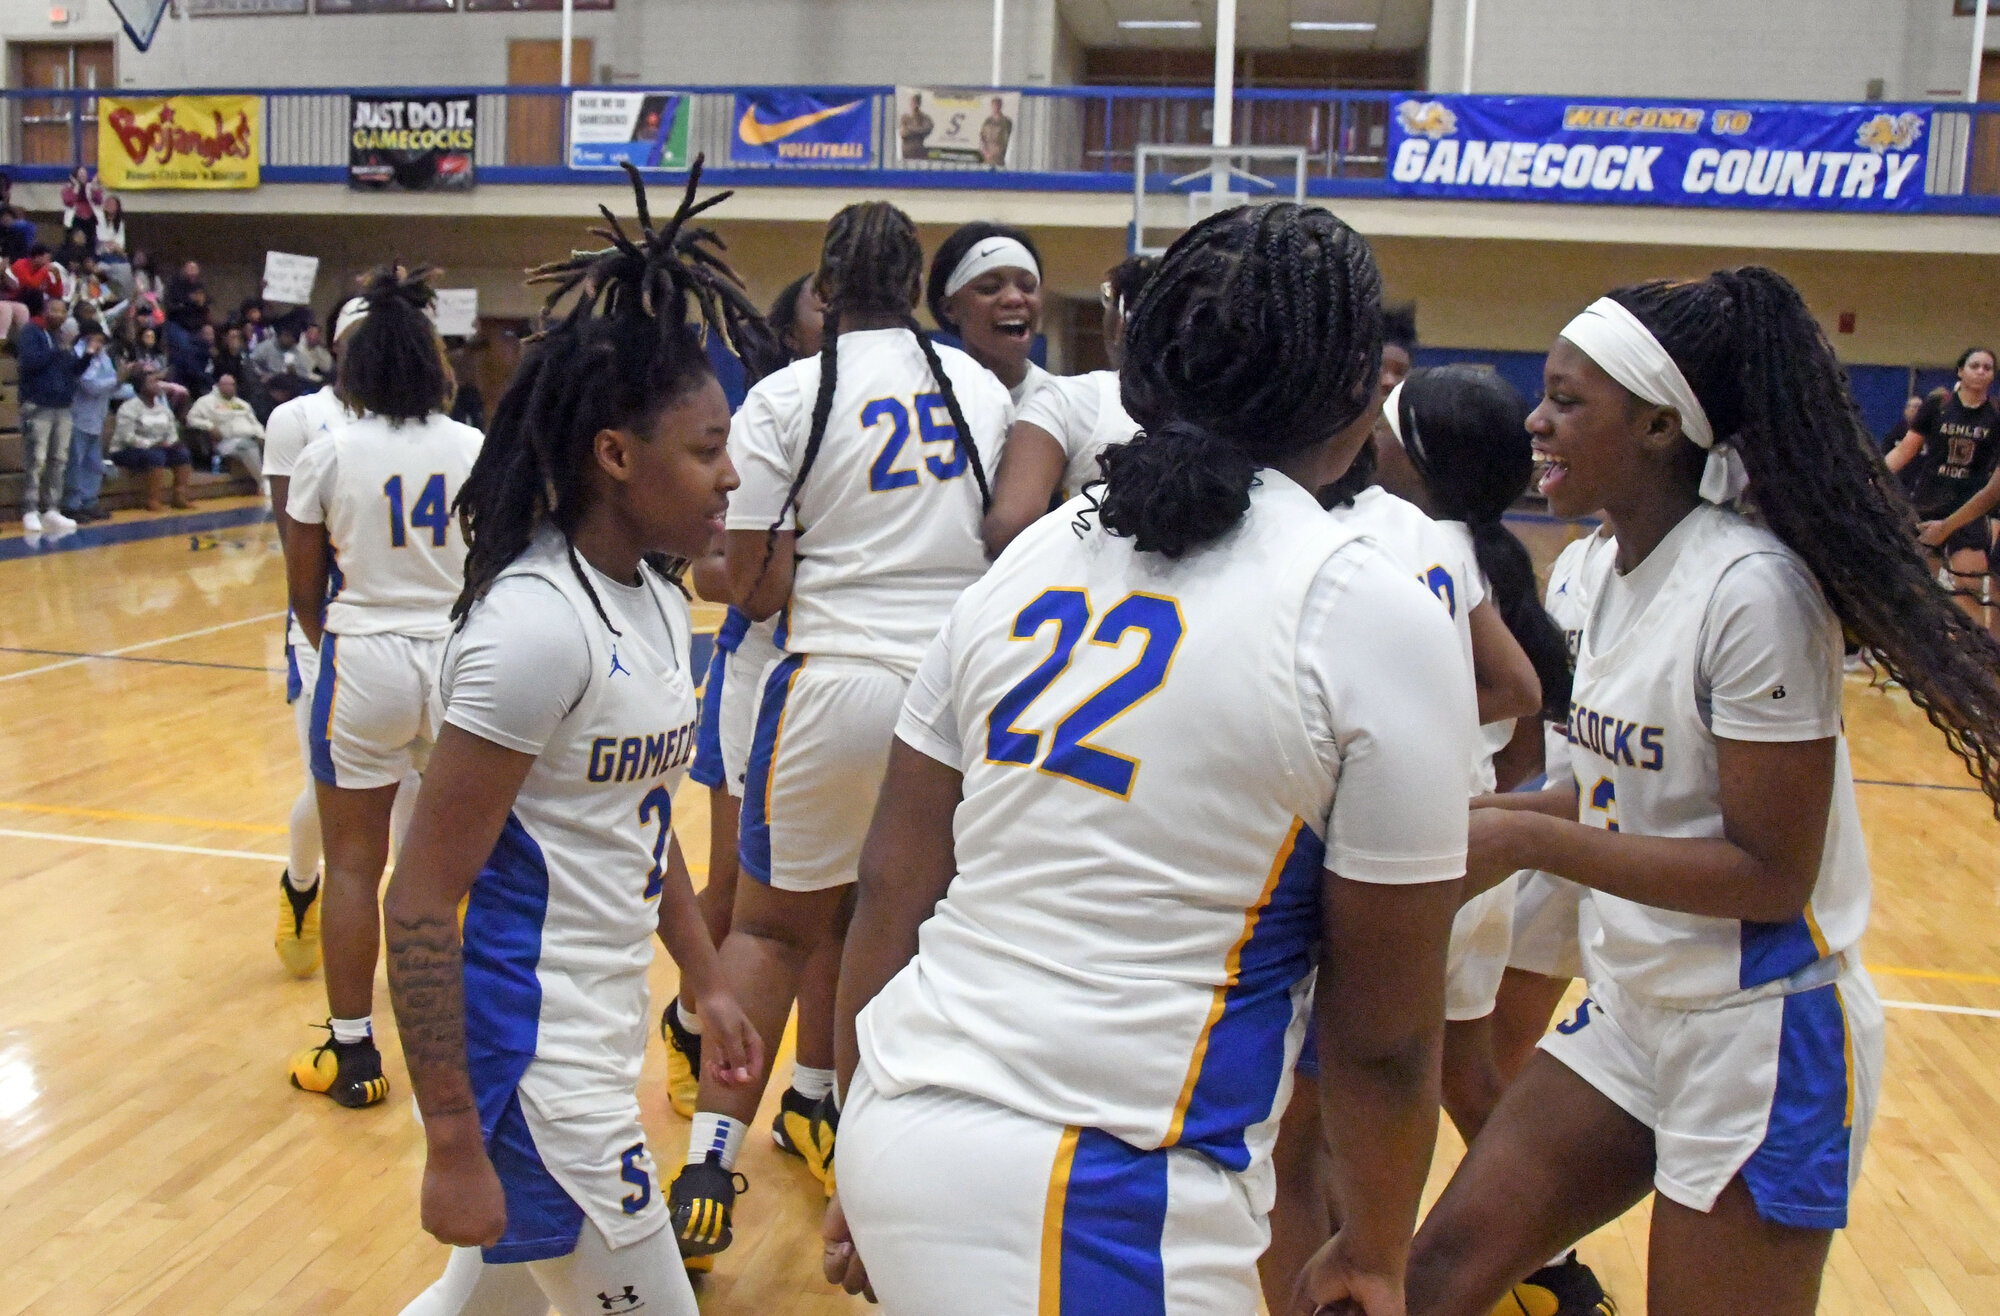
x=111 y=231
x=49 y=371
x=232 y=424
x=13 y=314
x=145 y=438
x=313 y=362
x=89 y=415
x=145 y=279
x=145 y=354
x=276 y=356
x=17 y=234
x=232 y=357
x=255 y=327
x=82 y=198
x=187 y=359
x=181 y=289
x=37 y=271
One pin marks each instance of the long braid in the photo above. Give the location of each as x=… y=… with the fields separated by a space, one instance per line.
x=631 y=343
x=959 y=427
x=1771 y=384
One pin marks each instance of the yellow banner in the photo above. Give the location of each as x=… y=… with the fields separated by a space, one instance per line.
x=179 y=142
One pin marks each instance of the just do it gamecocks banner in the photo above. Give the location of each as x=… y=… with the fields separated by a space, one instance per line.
x=1742 y=155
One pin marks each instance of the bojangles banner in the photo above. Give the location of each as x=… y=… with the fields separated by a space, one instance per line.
x=179 y=142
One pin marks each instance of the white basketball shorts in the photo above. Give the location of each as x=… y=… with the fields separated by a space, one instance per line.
x=303 y=661
x=374 y=713
x=817 y=758
x=741 y=687
x=960 y=1205
x=1481 y=936
x=1780 y=1088
x=1547 y=929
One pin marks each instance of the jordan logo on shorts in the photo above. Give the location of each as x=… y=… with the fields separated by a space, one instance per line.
x=616 y=666
x=1575 y=1025
x=625 y=1300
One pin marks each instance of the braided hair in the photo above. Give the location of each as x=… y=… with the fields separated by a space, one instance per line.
x=1768 y=380
x=870 y=265
x=1258 y=336
x=1128 y=278
x=1465 y=431
x=393 y=362
x=631 y=344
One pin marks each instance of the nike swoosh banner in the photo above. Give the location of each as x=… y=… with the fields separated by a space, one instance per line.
x=1742 y=155
x=777 y=127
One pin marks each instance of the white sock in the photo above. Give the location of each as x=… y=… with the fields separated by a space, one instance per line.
x=689 y=1021
x=715 y=1133
x=811 y=1083
x=1562 y=1259
x=303 y=866
x=353 y=1030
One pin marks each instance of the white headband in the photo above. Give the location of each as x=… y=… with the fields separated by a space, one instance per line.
x=1626 y=350
x=352 y=312
x=997 y=253
x=1392 y=412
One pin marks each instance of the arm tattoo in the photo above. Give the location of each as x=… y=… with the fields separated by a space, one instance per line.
x=427 y=984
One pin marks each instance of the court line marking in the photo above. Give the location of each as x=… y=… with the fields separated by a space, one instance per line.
x=1946 y=975
x=124 y=815
x=67 y=838
x=144 y=644
x=1913 y=785
x=163 y=662
x=1928 y=1008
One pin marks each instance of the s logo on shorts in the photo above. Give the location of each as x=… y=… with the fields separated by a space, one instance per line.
x=1576 y=1021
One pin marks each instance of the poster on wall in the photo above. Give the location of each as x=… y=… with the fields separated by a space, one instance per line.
x=411 y=143
x=200 y=142
x=943 y=123
x=240 y=8
x=783 y=127
x=1745 y=155
x=384 y=6
x=607 y=128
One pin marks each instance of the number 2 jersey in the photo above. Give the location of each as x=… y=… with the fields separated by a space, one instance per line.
x=560 y=922
x=1720 y=632
x=1160 y=758
x=888 y=518
x=384 y=491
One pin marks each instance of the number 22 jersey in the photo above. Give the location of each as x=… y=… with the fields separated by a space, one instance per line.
x=1160 y=758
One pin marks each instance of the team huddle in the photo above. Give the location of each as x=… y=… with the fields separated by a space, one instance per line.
x=1156 y=791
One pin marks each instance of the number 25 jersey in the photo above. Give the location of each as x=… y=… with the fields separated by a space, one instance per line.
x=384 y=491
x=1160 y=758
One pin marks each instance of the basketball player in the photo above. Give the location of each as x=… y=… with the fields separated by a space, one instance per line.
x=1729 y=1055
x=570 y=716
x=744 y=650
x=1094 y=1026
x=1955 y=444
x=292 y=426
x=373 y=541
x=864 y=480
x=986 y=287
x=1052 y=445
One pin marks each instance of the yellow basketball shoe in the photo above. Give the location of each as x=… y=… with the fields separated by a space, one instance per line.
x=349 y=1072
x=683 y=1062
x=806 y=1128
x=1566 y=1289
x=298 y=927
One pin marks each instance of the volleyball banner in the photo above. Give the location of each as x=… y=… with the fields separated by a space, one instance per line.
x=1752 y=155
x=607 y=128
x=411 y=143
x=802 y=128
x=202 y=142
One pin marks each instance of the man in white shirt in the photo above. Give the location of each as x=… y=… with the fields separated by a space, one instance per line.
x=232 y=425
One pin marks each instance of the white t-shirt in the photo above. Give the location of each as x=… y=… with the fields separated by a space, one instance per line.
x=1031 y=384
x=295 y=424
x=1160 y=759
x=384 y=492
x=888 y=519
x=1085 y=415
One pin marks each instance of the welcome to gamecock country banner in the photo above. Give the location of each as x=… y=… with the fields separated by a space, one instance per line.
x=179 y=142
x=1749 y=155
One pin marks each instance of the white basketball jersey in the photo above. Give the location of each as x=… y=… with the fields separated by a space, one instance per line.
x=1442 y=561
x=1172 y=914
x=1085 y=415
x=559 y=926
x=1567 y=601
x=292 y=427
x=384 y=492
x=1646 y=763
x=888 y=519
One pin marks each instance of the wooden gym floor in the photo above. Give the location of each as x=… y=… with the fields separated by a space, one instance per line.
x=155 y=1161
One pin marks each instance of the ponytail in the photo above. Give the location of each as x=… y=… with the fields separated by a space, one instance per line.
x=1174 y=488
x=1771 y=386
x=393 y=362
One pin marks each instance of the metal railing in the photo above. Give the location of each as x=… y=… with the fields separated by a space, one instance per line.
x=1066 y=138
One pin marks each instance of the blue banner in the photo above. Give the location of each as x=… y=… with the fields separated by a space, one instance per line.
x=1749 y=155
x=801 y=128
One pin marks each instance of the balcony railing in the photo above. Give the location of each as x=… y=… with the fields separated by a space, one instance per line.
x=1066 y=138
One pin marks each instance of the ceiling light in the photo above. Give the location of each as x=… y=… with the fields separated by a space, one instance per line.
x=1333 y=27
x=1159 y=24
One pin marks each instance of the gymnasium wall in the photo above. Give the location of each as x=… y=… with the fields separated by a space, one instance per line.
x=651 y=41
x=1747 y=49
